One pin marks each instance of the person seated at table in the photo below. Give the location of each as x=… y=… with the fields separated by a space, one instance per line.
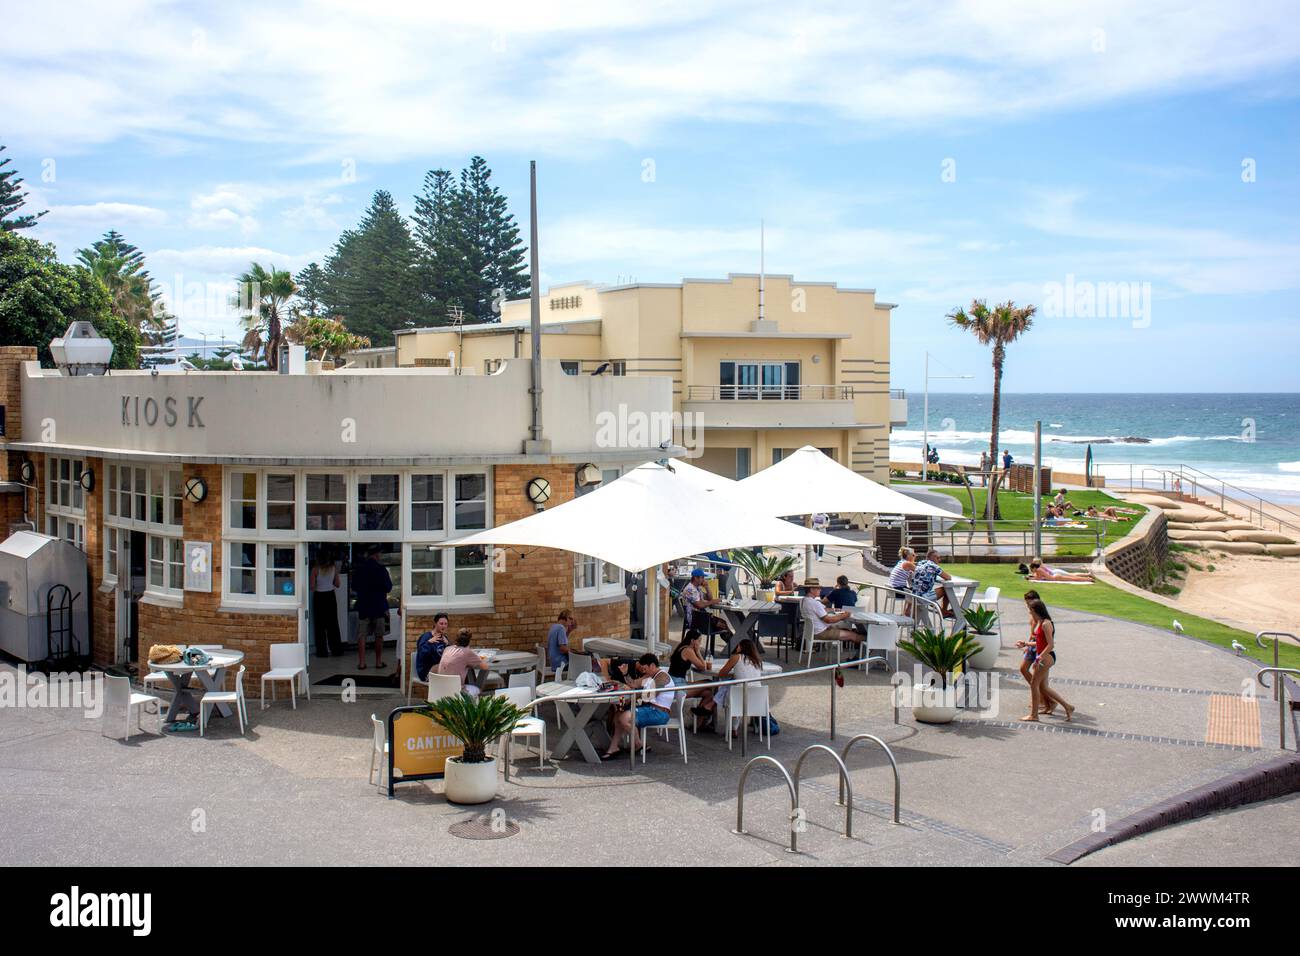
x=695 y=605
x=842 y=596
x=900 y=576
x=431 y=645
x=461 y=661
x=685 y=659
x=743 y=664
x=557 y=640
x=823 y=621
x=785 y=584
x=924 y=581
x=1042 y=572
x=651 y=712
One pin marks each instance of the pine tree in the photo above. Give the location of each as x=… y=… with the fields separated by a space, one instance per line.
x=370 y=279
x=440 y=262
x=311 y=290
x=135 y=299
x=493 y=256
x=12 y=198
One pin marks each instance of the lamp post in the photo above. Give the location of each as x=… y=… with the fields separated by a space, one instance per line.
x=925 y=420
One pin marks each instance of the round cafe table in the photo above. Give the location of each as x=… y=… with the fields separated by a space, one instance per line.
x=211 y=675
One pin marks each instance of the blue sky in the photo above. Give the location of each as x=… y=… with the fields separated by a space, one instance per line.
x=934 y=152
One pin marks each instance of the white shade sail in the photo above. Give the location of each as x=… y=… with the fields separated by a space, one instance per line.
x=651 y=515
x=808 y=481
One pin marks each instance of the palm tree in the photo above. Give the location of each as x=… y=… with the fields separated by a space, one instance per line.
x=119 y=266
x=998 y=326
x=263 y=300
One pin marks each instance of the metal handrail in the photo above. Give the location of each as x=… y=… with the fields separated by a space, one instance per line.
x=1259 y=639
x=844 y=755
x=845 y=784
x=1281 y=699
x=768 y=393
x=1253 y=503
x=794 y=798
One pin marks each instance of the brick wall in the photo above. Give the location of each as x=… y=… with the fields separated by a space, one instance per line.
x=12 y=358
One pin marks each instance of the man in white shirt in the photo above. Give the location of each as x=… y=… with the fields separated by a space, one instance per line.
x=823 y=621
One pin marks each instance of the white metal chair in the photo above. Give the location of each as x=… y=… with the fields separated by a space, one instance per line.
x=525 y=679
x=810 y=641
x=118 y=695
x=521 y=697
x=543 y=669
x=412 y=679
x=578 y=664
x=738 y=708
x=288 y=663
x=442 y=685
x=378 y=750
x=991 y=599
x=236 y=697
x=676 y=719
x=883 y=637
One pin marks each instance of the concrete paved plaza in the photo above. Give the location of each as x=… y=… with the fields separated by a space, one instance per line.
x=978 y=791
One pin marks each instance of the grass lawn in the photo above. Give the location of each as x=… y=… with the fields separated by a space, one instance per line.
x=1020 y=507
x=1104 y=599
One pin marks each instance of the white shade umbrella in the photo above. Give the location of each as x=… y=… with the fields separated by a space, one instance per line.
x=653 y=514
x=809 y=481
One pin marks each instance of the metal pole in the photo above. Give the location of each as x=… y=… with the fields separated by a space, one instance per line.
x=925 y=424
x=535 y=305
x=1038 y=488
x=833 y=685
x=744 y=719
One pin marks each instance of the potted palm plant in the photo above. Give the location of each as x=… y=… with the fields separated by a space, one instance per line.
x=478 y=722
x=942 y=654
x=764 y=568
x=980 y=621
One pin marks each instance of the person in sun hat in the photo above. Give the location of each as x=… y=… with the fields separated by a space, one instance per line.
x=823 y=621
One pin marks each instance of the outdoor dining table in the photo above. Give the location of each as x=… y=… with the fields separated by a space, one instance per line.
x=577 y=711
x=506 y=661
x=211 y=675
x=694 y=676
x=619 y=647
x=961 y=590
x=742 y=614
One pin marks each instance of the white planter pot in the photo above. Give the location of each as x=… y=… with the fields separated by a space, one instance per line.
x=470 y=782
x=768 y=595
x=930 y=705
x=987 y=658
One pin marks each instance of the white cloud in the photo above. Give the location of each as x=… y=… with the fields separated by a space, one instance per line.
x=393 y=81
x=116 y=214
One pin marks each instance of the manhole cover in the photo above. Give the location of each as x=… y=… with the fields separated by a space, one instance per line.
x=494 y=826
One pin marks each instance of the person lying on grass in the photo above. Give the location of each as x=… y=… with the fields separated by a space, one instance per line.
x=1042 y=572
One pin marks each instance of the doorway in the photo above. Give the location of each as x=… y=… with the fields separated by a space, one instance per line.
x=130 y=585
x=329 y=671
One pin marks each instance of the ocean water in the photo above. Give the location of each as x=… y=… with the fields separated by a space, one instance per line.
x=1248 y=440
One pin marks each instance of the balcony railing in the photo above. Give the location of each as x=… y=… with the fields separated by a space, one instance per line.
x=768 y=393
x=898 y=393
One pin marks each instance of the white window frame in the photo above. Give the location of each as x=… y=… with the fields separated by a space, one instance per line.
x=602 y=588
x=64 y=517
x=265 y=539
x=172 y=490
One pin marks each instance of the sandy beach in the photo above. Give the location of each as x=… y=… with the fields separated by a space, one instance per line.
x=1259 y=593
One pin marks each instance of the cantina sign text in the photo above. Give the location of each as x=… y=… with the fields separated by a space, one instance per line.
x=167 y=412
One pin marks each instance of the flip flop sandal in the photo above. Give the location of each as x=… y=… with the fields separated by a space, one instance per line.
x=361 y=667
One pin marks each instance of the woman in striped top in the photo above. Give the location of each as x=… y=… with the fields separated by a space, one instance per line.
x=900 y=578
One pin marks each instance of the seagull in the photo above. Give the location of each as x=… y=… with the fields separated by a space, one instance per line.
x=1239 y=647
x=1178 y=627
x=236 y=363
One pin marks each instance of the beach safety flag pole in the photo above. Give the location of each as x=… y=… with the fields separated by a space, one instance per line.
x=1038 y=489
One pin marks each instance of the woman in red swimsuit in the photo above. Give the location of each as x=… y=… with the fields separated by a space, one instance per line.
x=1044 y=636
